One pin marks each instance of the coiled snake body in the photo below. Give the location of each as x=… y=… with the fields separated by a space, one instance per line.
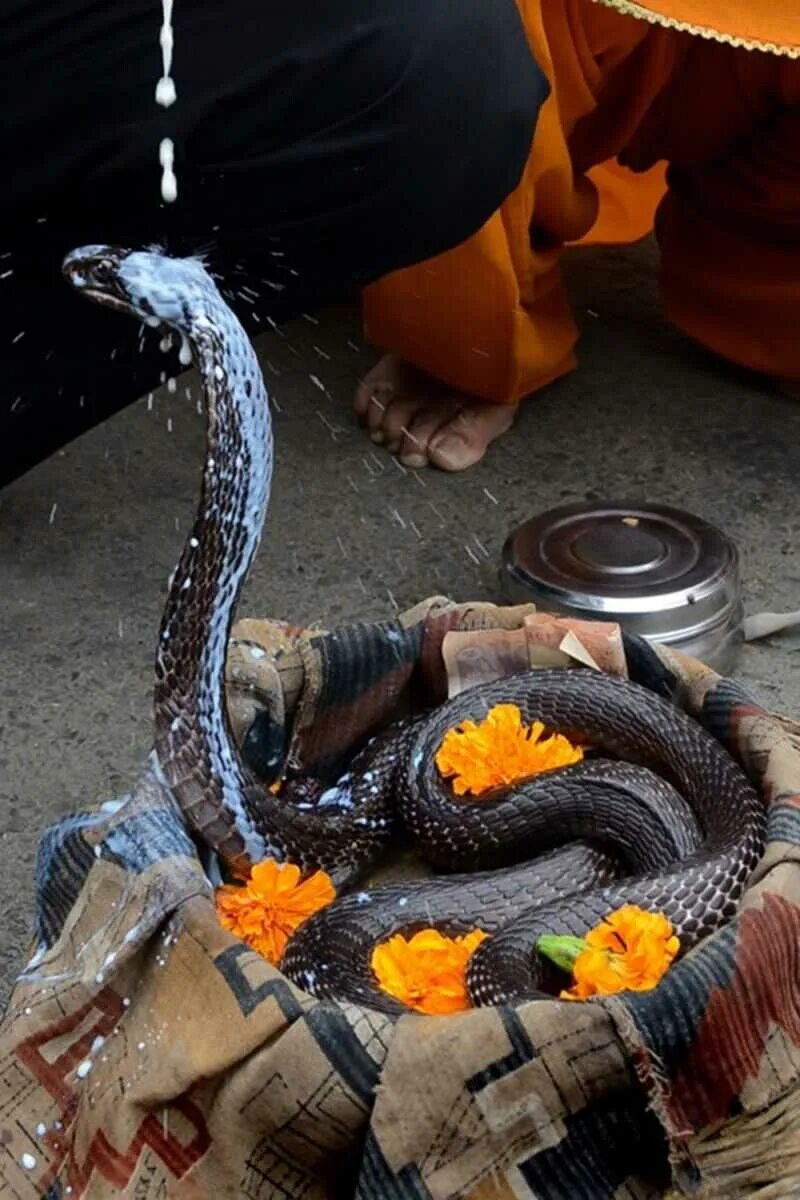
x=675 y=828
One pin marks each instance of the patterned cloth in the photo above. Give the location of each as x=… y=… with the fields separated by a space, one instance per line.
x=147 y=1053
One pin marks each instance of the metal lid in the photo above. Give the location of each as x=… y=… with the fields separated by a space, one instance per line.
x=660 y=572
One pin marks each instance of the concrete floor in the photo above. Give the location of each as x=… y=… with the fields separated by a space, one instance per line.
x=90 y=537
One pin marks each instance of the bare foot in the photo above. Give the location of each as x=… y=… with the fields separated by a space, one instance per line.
x=423 y=422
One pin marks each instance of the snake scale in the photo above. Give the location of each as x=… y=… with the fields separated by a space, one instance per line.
x=659 y=815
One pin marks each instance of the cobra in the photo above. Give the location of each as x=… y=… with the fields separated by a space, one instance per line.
x=551 y=855
x=221 y=802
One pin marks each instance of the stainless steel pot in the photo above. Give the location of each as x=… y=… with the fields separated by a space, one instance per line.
x=661 y=573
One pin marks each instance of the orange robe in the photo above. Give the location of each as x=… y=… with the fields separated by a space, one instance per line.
x=491 y=318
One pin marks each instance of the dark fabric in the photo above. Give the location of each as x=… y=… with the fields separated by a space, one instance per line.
x=317 y=148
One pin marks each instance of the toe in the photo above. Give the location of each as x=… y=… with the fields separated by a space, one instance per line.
x=400 y=416
x=380 y=383
x=452 y=451
x=424 y=425
x=463 y=441
x=380 y=401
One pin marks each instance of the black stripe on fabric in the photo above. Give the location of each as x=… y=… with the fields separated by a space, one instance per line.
x=231 y=968
x=65 y=858
x=379 y=1182
x=358 y=657
x=63 y=862
x=718 y=709
x=783 y=824
x=147 y=838
x=605 y=1144
x=339 y=1043
x=522 y=1051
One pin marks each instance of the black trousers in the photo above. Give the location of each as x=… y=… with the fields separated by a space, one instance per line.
x=318 y=146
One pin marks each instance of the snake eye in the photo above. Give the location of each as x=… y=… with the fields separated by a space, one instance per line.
x=104 y=271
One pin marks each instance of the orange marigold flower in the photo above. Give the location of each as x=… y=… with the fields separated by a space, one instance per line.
x=428 y=971
x=271 y=905
x=630 y=951
x=500 y=750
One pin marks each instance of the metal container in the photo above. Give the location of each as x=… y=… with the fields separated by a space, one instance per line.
x=659 y=572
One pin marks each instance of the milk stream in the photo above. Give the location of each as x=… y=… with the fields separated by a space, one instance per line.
x=166 y=95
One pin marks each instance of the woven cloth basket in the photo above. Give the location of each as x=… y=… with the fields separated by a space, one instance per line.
x=148 y=1053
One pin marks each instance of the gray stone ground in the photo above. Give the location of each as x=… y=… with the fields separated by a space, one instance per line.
x=89 y=538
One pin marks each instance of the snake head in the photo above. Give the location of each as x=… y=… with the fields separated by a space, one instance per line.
x=96 y=272
x=147 y=284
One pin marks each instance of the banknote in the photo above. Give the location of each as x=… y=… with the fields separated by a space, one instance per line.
x=484 y=655
x=481 y=656
x=473 y=657
x=596 y=644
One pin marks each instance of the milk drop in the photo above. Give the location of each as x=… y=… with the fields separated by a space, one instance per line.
x=165 y=92
x=169 y=184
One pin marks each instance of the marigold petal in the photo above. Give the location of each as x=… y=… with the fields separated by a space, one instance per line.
x=389 y=964
x=472 y=940
x=272 y=943
x=307 y=897
x=429 y=940
x=437 y=1004
x=426 y=972
x=630 y=951
x=499 y=751
x=269 y=878
x=270 y=906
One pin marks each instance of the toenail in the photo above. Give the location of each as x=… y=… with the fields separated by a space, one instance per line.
x=449 y=441
x=377 y=437
x=414 y=461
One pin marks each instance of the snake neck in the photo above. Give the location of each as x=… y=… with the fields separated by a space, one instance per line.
x=194 y=741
